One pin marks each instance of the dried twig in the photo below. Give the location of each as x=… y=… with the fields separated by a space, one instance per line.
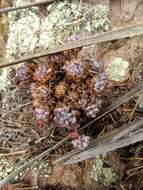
x=14 y=153
x=16 y=108
x=11 y=9
x=98 y=38
x=113 y=106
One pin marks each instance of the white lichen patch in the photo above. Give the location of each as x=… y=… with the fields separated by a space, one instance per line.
x=23 y=28
x=66 y=18
x=103 y=174
x=118 y=70
x=4 y=80
x=6 y=167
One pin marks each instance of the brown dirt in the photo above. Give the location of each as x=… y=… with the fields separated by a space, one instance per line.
x=125 y=13
x=65 y=175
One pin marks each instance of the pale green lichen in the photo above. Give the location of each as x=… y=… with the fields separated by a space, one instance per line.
x=103 y=174
x=6 y=167
x=117 y=70
x=42 y=167
x=4 y=80
x=109 y=176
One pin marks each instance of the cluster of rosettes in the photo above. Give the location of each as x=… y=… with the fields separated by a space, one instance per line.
x=63 y=92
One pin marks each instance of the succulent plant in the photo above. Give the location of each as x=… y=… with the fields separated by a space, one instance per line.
x=58 y=58
x=97 y=84
x=90 y=56
x=93 y=108
x=81 y=142
x=73 y=132
x=72 y=96
x=83 y=103
x=57 y=82
x=22 y=73
x=75 y=70
x=64 y=117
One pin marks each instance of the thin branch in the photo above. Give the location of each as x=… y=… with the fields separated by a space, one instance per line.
x=13 y=153
x=94 y=39
x=11 y=9
x=113 y=106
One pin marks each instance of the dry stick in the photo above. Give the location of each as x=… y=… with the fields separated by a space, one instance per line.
x=105 y=147
x=108 y=145
x=114 y=135
x=10 y=9
x=13 y=153
x=113 y=106
x=94 y=39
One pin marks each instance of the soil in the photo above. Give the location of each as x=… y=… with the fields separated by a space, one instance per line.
x=125 y=13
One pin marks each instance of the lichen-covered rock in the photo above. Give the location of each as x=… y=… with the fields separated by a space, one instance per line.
x=61 y=20
x=22 y=37
x=7 y=166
